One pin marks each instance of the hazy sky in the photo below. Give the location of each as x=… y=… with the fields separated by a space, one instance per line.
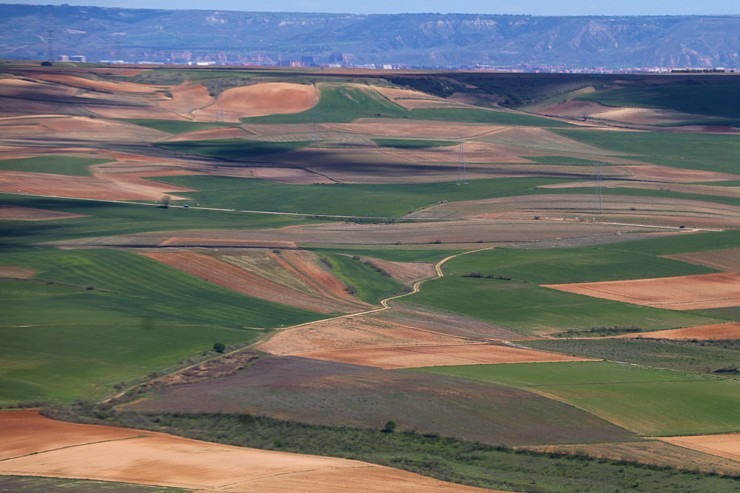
x=533 y=7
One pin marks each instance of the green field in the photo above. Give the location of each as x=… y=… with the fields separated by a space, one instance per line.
x=646 y=401
x=413 y=143
x=706 y=152
x=231 y=149
x=529 y=309
x=92 y=318
x=344 y=103
x=560 y=266
x=32 y=484
x=670 y=245
x=345 y=199
x=362 y=280
x=57 y=165
x=179 y=127
x=711 y=96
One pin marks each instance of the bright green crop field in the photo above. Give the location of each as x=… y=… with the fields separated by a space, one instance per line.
x=644 y=400
x=92 y=318
x=57 y=165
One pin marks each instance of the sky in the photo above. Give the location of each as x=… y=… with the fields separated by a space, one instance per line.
x=531 y=7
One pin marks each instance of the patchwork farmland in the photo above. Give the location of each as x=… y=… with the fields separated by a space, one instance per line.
x=331 y=276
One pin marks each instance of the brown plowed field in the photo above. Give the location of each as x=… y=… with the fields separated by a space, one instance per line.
x=727 y=446
x=413 y=100
x=82 y=129
x=453 y=355
x=98 y=85
x=419 y=129
x=351 y=333
x=20 y=213
x=729 y=330
x=276 y=98
x=673 y=293
x=36 y=446
x=406 y=272
x=152 y=112
x=186 y=98
x=725 y=260
x=304 y=265
x=212 y=134
x=81 y=187
x=232 y=277
x=653 y=172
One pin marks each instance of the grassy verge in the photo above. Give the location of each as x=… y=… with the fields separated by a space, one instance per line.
x=57 y=165
x=486 y=466
x=33 y=484
x=647 y=401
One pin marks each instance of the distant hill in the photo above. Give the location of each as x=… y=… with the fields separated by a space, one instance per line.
x=416 y=40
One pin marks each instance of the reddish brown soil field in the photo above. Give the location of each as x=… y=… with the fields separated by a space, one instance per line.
x=97 y=85
x=259 y=100
x=232 y=277
x=729 y=330
x=725 y=260
x=674 y=293
x=35 y=446
x=422 y=356
x=406 y=272
x=82 y=187
x=651 y=172
x=20 y=213
x=351 y=333
x=727 y=446
x=186 y=98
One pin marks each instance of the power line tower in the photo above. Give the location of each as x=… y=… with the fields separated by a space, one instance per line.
x=50 y=45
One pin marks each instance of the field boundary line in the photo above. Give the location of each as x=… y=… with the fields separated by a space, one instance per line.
x=39 y=452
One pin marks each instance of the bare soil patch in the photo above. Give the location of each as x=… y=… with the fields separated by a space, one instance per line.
x=20 y=213
x=453 y=324
x=114 y=454
x=413 y=100
x=77 y=128
x=15 y=272
x=406 y=272
x=666 y=174
x=259 y=100
x=212 y=134
x=98 y=85
x=186 y=98
x=727 y=446
x=592 y=110
x=713 y=332
x=727 y=260
x=83 y=187
x=415 y=129
x=448 y=355
x=351 y=333
x=649 y=452
x=673 y=293
x=231 y=276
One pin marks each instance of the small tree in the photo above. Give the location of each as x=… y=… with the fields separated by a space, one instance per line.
x=165 y=201
x=389 y=427
x=219 y=347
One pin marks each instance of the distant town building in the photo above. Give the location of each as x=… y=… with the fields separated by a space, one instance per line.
x=78 y=58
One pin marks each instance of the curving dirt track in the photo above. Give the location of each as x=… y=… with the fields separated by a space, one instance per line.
x=275 y=98
x=186 y=98
x=674 y=293
x=713 y=332
x=36 y=446
x=727 y=446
